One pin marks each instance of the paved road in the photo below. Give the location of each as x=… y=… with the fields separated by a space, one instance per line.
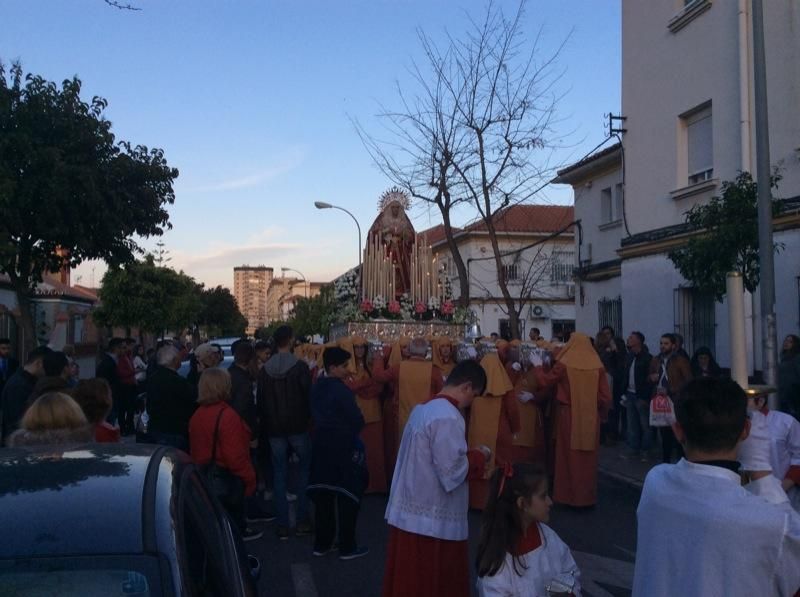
x=603 y=540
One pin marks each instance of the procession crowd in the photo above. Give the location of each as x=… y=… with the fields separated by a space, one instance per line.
x=443 y=427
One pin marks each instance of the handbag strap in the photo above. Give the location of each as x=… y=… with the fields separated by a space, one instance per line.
x=216 y=433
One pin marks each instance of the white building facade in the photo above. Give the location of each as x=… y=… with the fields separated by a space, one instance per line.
x=687 y=100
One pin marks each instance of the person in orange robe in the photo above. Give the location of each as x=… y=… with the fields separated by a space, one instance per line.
x=581 y=404
x=528 y=442
x=443 y=355
x=368 y=397
x=414 y=381
x=493 y=421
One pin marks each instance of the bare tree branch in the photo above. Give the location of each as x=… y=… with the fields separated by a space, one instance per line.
x=121 y=6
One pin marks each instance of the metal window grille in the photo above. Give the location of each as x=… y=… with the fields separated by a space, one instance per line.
x=562 y=265
x=609 y=313
x=694 y=318
x=510 y=272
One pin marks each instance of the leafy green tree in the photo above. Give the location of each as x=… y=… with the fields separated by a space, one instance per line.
x=220 y=314
x=69 y=190
x=729 y=238
x=153 y=298
x=314 y=315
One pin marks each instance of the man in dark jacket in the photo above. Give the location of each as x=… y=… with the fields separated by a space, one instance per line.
x=18 y=389
x=171 y=401
x=107 y=369
x=284 y=385
x=243 y=401
x=8 y=364
x=638 y=391
x=338 y=470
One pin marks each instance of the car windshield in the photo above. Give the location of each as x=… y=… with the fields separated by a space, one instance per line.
x=79 y=577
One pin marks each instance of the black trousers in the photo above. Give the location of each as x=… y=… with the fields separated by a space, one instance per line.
x=326 y=504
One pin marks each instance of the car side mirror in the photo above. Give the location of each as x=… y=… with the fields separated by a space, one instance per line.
x=255 y=567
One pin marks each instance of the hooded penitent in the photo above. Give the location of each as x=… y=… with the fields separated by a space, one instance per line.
x=583 y=365
x=485 y=412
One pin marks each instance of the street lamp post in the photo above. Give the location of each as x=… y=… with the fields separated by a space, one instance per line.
x=305 y=281
x=323 y=205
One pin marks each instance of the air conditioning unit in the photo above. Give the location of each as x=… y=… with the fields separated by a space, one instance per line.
x=571 y=289
x=537 y=312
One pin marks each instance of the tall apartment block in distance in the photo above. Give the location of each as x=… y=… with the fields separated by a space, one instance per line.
x=250 y=284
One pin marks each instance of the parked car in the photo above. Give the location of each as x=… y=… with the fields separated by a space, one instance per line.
x=115 y=519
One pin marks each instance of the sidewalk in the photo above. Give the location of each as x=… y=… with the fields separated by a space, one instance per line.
x=629 y=471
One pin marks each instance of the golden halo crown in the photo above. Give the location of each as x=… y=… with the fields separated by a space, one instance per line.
x=394 y=195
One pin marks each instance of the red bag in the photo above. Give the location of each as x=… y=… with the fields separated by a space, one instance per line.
x=662 y=411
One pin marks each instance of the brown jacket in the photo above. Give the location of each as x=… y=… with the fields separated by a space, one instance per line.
x=679 y=371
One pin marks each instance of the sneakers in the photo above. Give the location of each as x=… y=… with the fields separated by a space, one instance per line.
x=358 y=552
x=251 y=534
x=283 y=533
x=323 y=552
x=303 y=529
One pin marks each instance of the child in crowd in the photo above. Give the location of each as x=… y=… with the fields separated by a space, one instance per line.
x=784 y=431
x=519 y=555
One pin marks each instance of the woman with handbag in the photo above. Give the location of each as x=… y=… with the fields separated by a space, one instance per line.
x=219 y=441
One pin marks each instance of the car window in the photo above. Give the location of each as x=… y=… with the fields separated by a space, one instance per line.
x=80 y=577
x=203 y=542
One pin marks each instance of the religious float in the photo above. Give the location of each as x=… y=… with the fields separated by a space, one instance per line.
x=400 y=288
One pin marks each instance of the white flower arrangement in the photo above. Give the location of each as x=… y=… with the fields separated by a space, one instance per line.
x=379 y=302
x=433 y=303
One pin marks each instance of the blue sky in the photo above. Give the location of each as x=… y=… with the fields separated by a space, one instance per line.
x=252 y=101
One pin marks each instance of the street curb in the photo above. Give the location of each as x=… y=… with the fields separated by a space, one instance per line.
x=627 y=480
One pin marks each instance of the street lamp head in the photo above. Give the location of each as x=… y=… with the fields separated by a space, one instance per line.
x=322 y=205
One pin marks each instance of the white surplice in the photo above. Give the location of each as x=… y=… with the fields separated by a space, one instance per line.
x=784 y=430
x=538 y=568
x=701 y=534
x=429 y=494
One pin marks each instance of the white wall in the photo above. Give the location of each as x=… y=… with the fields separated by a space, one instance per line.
x=604 y=241
x=647 y=301
x=587 y=318
x=490 y=314
x=664 y=74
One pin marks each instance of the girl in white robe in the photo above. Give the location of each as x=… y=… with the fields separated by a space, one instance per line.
x=518 y=554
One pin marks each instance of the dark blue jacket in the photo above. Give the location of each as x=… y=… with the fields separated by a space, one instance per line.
x=337 y=456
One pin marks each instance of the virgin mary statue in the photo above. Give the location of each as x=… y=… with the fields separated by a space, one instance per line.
x=395 y=233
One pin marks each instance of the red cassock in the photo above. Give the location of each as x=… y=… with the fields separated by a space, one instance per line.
x=391 y=407
x=575 y=474
x=368 y=396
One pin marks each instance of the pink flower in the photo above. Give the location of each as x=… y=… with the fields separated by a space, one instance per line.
x=448 y=307
x=420 y=307
x=394 y=307
x=366 y=306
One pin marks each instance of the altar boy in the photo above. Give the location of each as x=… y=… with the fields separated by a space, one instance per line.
x=701 y=533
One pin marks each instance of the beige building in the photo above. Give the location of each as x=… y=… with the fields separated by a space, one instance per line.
x=250 y=288
x=283 y=293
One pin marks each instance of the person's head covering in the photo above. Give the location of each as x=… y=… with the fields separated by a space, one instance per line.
x=497 y=381
x=334 y=356
x=348 y=344
x=502 y=349
x=438 y=342
x=583 y=369
x=579 y=354
x=396 y=356
x=516 y=343
x=204 y=350
x=321 y=352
